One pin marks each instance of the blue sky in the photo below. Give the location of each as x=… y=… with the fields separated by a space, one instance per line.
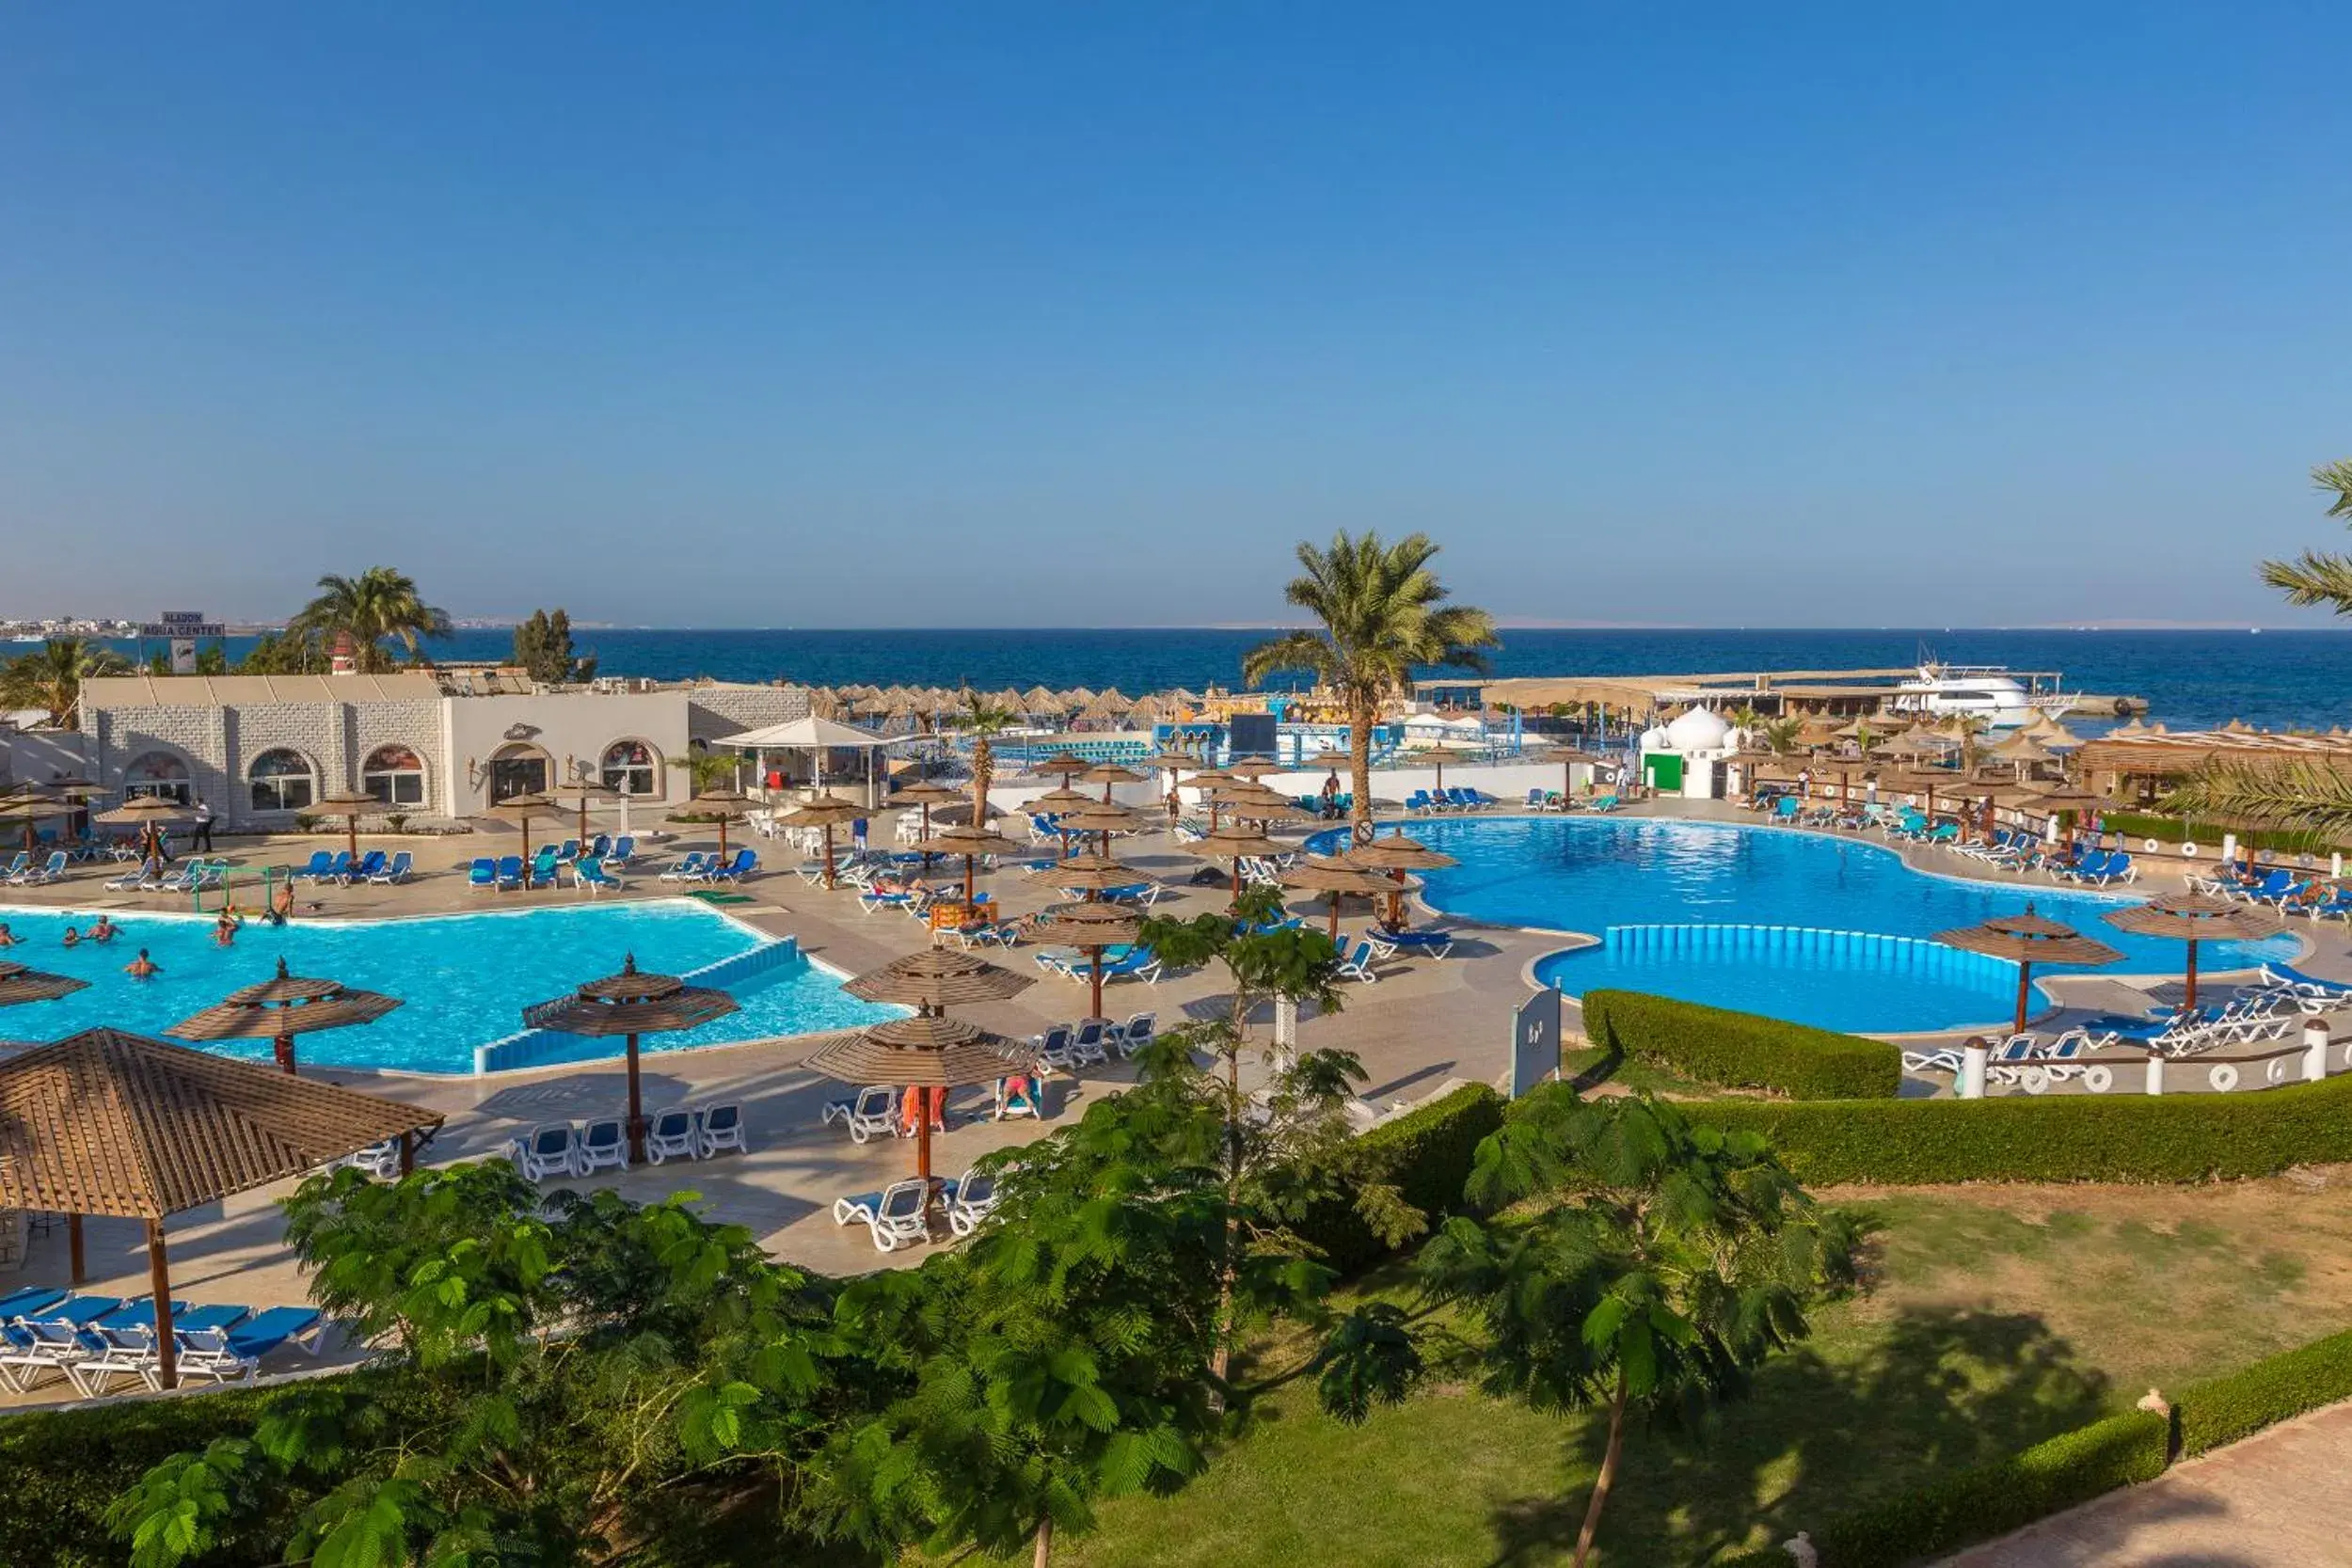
x=879 y=314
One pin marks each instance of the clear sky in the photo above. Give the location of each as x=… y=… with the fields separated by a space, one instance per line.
x=869 y=314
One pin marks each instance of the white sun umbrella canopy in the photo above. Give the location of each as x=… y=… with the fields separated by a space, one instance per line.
x=819 y=737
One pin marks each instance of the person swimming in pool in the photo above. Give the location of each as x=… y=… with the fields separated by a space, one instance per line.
x=103 y=933
x=225 y=928
x=7 y=937
x=142 y=967
x=73 y=937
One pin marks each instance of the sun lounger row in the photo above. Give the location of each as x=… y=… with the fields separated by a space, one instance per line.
x=696 y=866
x=1430 y=802
x=1119 y=962
x=337 y=866
x=900 y=1215
x=90 y=1340
x=582 y=1147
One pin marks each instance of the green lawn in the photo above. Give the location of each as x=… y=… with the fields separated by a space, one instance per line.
x=1993 y=1317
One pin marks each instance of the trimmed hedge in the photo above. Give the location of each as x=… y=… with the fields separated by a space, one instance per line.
x=2172 y=830
x=1742 y=1051
x=1427 y=1153
x=2276 y=1388
x=2115 y=1137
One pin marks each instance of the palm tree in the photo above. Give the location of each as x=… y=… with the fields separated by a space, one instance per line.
x=51 y=679
x=380 y=605
x=982 y=721
x=1383 y=612
x=2320 y=577
x=1780 y=735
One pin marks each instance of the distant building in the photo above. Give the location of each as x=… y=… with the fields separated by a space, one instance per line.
x=261 y=748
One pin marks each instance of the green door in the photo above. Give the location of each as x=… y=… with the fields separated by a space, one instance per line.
x=1664 y=769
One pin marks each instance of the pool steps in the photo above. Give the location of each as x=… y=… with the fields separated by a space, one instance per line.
x=545 y=1047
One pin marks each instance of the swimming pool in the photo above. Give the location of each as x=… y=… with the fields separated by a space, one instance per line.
x=465 y=979
x=1591 y=874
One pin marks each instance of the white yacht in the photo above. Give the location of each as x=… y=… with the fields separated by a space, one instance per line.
x=1986 y=691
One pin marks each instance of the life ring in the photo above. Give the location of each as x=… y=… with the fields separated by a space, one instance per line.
x=2149 y=846
x=2099 y=1079
x=2122 y=707
x=2034 y=1080
x=2276 y=1070
x=2347 y=1054
x=2223 y=1078
x=2305 y=862
x=2189 y=851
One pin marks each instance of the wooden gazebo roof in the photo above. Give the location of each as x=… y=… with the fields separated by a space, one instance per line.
x=104 y=1123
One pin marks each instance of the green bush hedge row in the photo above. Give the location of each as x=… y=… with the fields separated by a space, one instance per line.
x=2279 y=1387
x=1427 y=1153
x=1741 y=1050
x=2172 y=830
x=2114 y=1138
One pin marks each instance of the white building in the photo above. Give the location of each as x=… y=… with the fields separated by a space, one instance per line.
x=1688 y=756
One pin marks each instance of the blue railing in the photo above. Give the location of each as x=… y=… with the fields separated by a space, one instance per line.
x=546 y=1047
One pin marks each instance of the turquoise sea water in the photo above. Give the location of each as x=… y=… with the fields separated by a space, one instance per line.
x=465 y=979
x=2193 y=678
x=1591 y=874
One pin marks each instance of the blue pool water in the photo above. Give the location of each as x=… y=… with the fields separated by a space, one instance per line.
x=465 y=979
x=1591 y=874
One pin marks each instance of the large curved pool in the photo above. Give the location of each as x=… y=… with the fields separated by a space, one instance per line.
x=464 y=979
x=1653 y=879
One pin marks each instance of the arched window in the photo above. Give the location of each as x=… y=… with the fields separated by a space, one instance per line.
x=395 y=775
x=517 y=769
x=282 y=781
x=157 y=773
x=630 y=766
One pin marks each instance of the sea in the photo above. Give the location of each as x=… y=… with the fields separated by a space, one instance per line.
x=2191 y=679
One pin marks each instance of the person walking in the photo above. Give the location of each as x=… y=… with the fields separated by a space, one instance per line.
x=201 y=837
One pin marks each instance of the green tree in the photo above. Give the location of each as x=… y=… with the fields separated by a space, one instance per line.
x=1664 y=1262
x=291 y=652
x=543 y=646
x=379 y=606
x=1383 y=613
x=1780 y=735
x=2320 y=577
x=983 y=721
x=50 y=679
x=559 y=1376
x=708 y=770
x=1277 y=1147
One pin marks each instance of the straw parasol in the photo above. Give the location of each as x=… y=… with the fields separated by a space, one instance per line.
x=933 y=978
x=1394 y=856
x=1102 y=818
x=2192 y=917
x=2028 y=940
x=350 y=806
x=925 y=794
x=109 y=1123
x=580 y=794
x=28 y=807
x=630 y=1003
x=1107 y=774
x=520 y=809
x=1336 y=879
x=1569 y=757
x=1816 y=731
x=147 y=813
x=1437 y=756
x=971 y=841
x=1234 y=842
x=1061 y=767
x=282 y=1007
x=724 y=805
x=1093 y=873
x=1090 y=926
x=2051 y=733
x=18 y=984
x=826 y=812
x=1253 y=769
x=921 y=1052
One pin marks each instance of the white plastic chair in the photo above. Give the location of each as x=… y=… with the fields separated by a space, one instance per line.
x=867 y=1114
x=723 y=1128
x=671 y=1136
x=603 y=1146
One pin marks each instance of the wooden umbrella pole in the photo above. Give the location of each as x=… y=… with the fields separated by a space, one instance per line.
x=1098 y=984
x=826 y=829
x=636 y=1110
x=351 y=841
x=283 y=1048
x=968 y=861
x=923 y=1135
x=2192 y=971
x=73 y=1250
x=1335 y=918
x=2024 y=978
x=159 y=1280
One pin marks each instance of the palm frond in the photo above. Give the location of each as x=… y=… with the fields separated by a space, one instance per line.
x=2298 y=795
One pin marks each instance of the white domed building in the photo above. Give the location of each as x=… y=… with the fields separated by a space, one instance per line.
x=1686 y=756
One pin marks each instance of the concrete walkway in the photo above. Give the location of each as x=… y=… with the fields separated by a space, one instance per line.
x=2282 y=1499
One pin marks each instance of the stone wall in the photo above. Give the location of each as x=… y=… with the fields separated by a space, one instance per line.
x=712 y=711
x=218 y=745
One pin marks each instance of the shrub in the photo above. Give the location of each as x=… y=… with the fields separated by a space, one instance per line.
x=1746 y=1051
x=2276 y=1389
x=2121 y=1137
x=1993 y=1498
x=2173 y=830
x=1427 y=1153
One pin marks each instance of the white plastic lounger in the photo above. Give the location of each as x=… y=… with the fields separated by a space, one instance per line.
x=671 y=1136
x=723 y=1128
x=868 y=1114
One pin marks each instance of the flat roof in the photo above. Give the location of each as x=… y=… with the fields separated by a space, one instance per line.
x=110 y=691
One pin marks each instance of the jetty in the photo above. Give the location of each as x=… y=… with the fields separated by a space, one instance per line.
x=1832 y=693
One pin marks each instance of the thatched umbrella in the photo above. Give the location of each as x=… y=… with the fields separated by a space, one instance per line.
x=1208 y=781
x=1172 y=764
x=108 y=1123
x=1257 y=803
x=1437 y=756
x=29 y=807
x=971 y=841
x=20 y=983
x=2193 y=917
x=1061 y=767
x=722 y=805
x=1090 y=926
x=1091 y=873
x=1059 y=803
x=519 y=809
x=1102 y=818
x=1253 y=769
x=1394 y=856
x=925 y=794
x=1234 y=843
x=2028 y=940
x=1816 y=731
x=1569 y=757
x=350 y=805
x=578 y=794
x=147 y=813
x=631 y=1004
x=921 y=1052
x=281 y=1008
x=825 y=813
x=933 y=978
x=1040 y=700
x=1336 y=879
x=1107 y=774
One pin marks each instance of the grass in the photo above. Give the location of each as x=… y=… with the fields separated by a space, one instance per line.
x=1991 y=1318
